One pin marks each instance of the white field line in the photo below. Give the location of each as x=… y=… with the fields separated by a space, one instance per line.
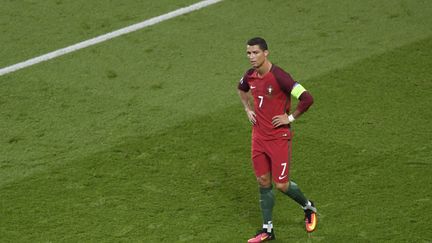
x=107 y=36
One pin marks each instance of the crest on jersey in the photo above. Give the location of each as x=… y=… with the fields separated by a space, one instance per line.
x=269 y=90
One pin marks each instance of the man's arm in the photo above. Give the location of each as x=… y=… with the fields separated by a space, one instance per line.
x=306 y=100
x=245 y=99
x=290 y=87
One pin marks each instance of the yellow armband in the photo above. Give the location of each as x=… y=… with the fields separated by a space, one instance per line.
x=297 y=90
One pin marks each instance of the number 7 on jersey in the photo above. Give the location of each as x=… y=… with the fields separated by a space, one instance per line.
x=261 y=100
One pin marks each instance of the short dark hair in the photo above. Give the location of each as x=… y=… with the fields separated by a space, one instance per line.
x=258 y=41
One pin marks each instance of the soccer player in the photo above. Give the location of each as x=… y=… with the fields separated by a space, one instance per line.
x=271 y=89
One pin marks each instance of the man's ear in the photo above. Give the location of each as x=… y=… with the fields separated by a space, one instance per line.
x=266 y=53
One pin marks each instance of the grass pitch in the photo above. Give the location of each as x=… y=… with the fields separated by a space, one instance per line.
x=143 y=138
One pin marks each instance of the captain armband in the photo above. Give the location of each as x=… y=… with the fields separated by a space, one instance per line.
x=297 y=90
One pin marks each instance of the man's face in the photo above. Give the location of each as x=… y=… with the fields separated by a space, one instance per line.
x=256 y=55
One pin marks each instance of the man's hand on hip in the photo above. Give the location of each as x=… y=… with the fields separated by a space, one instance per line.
x=280 y=120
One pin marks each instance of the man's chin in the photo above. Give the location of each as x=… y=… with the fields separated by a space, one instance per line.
x=255 y=65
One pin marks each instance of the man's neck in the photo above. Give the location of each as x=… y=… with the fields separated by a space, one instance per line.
x=265 y=68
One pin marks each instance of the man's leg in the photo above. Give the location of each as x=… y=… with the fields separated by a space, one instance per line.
x=261 y=165
x=266 y=204
x=292 y=190
x=281 y=159
x=266 y=200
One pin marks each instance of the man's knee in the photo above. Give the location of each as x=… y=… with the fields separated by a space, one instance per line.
x=264 y=180
x=283 y=187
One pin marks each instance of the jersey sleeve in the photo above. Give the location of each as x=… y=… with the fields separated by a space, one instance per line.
x=306 y=100
x=243 y=83
x=285 y=81
x=291 y=87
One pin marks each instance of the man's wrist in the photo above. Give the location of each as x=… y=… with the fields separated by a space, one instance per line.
x=291 y=118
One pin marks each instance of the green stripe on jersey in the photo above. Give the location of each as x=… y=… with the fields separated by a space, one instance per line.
x=297 y=90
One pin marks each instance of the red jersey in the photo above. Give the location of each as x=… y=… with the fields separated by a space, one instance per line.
x=272 y=97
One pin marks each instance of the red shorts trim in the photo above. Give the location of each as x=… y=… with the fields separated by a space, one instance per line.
x=272 y=156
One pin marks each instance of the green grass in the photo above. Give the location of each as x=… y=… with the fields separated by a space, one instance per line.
x=143 y=138
x=32 y=28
